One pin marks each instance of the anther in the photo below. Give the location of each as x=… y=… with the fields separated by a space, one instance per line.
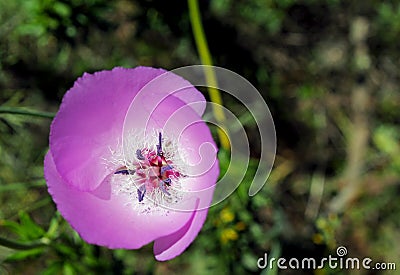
x=162 y=187
x=139 y=154
x=159 y=146
x=141 y=191
x=167 y=181
x=165 y=168
x=125 y=172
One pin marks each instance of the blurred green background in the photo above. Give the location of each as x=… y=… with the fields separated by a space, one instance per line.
x=329 y=72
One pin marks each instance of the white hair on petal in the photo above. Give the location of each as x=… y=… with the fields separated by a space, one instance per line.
x=135 y=172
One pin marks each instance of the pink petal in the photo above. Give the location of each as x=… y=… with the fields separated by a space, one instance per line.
x=179 y=120
x=95 y=114
x=173 y=245
x=168 y=247
x=90 y=120
x=105 y=219
x=168 y=84
x=194 y=136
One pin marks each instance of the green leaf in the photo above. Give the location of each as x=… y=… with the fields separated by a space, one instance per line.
x=62 y=9
x=249 y=261
x=26 y=229
x=11 y=226
x=52 y=231
x=21 y=185
x=30 y=230
x=54 y=268
x=65 y=250
x=22 y=255
x=68 y=269
x=386 y=139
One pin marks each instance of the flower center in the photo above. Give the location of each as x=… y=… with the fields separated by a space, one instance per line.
x=152 y=172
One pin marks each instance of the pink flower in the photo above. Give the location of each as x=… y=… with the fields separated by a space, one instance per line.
x=131 y=161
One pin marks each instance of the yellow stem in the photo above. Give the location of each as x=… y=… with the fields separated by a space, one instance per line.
x=205 y=57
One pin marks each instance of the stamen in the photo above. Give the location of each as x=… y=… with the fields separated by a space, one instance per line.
x=139 y=154
x=162 y=187
x=159 y=146
x=149 y=168
x=167 y=181
x=165 y=168
x=141 y=192
x=125 y=172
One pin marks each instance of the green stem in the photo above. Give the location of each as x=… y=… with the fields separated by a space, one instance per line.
x=22 y=246
x=44 y=241
x=205 y=57
x=198 y=32
x=24 y=111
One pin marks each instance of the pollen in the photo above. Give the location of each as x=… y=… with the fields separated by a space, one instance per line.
x=149 y=171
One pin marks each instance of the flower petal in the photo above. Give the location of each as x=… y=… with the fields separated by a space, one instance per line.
x=178 y=119
x=90 y=120
x=168 y=247
x=106 y=219
x=169 y=84
x=195 y=141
